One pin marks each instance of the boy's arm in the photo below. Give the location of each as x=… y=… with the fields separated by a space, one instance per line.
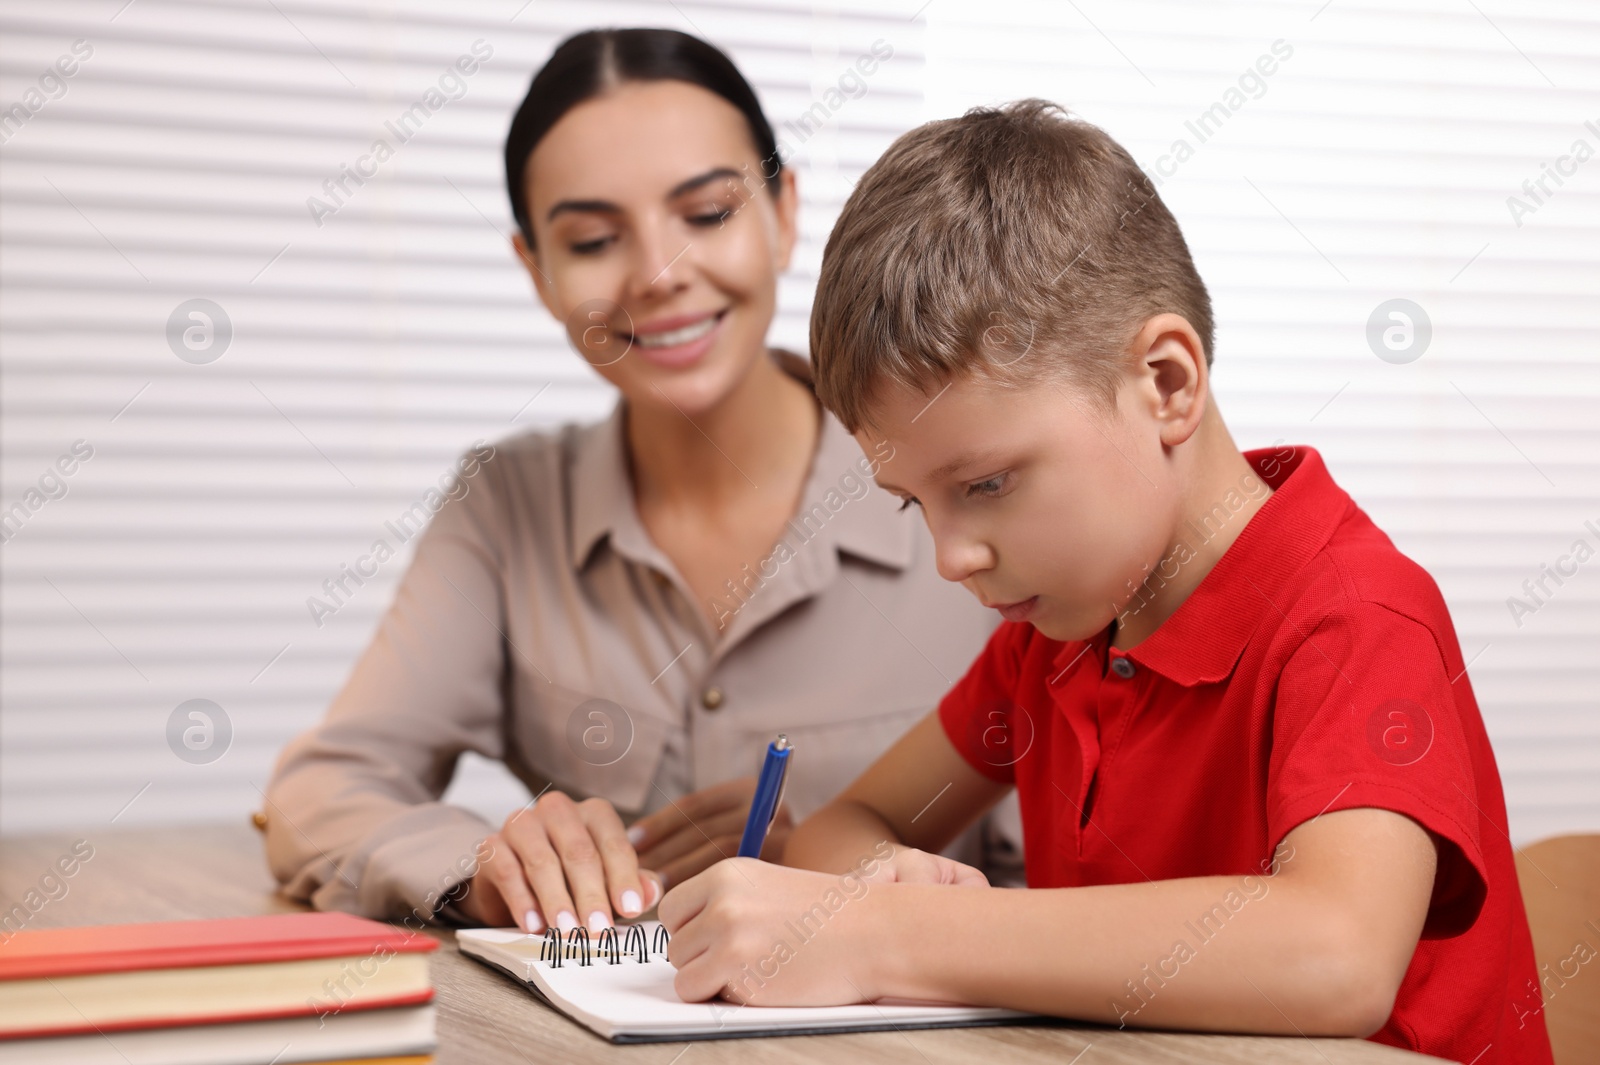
x=919 y=793
x=1319 y=948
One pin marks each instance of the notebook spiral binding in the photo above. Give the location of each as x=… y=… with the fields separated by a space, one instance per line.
x=575 y=945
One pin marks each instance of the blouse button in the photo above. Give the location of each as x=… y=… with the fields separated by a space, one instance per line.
x=711 y=698
x=1122 y=668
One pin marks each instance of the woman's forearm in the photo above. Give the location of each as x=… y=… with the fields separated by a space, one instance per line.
x=834 y=838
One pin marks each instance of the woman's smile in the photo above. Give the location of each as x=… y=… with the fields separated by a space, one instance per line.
x=679 y=341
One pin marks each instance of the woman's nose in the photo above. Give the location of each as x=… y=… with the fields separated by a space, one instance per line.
x=660 y=265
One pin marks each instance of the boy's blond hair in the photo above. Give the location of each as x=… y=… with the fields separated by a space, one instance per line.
x=1017 y=241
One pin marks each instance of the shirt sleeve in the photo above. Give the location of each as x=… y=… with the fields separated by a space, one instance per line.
x=980 y=714
x=353 y=820
x=1365 y=716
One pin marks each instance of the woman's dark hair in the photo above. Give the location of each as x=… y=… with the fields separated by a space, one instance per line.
x=587 y=64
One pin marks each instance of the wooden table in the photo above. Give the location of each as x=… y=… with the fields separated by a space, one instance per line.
x=486 y=1019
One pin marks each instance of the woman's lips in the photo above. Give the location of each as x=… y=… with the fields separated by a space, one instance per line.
x=681 y=343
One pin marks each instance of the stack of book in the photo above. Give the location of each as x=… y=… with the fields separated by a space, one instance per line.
x=302 y=987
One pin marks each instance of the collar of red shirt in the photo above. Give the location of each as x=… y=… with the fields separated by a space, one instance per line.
x=1202 y=640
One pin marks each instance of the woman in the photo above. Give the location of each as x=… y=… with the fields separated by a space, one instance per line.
x=626 y=613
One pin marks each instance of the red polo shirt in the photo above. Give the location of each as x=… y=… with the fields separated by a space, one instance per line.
x=1314 y=669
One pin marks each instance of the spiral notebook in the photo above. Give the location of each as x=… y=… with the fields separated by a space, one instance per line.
x=619 y=985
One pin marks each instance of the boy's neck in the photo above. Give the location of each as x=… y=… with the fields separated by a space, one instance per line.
x=1223 y=493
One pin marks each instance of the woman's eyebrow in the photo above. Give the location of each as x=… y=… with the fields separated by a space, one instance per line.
x=704 y=179
x=582 y=207
x=607 y=207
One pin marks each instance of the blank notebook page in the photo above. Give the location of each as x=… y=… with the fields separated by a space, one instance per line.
x=635 y=1001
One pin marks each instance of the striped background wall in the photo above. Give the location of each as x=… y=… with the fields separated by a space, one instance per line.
x=1339 y=156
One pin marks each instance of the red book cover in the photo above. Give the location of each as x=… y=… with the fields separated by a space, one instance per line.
x=51 y=952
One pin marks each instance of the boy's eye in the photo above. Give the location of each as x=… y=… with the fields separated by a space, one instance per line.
x=589 y=247
x=989 y=487
x=908 y=501
x=711 y=218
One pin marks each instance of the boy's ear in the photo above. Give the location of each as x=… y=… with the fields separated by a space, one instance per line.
x=1175 y=380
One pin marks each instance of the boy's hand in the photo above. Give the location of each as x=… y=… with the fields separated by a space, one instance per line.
x=912 y=866
x=764 y=935
x=761 y=934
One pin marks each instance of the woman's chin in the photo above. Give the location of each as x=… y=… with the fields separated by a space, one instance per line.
x=692 y=389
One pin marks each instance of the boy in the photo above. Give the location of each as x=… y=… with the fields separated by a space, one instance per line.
x=1256 y=790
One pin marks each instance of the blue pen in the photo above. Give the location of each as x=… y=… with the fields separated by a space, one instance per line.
x=769 y=789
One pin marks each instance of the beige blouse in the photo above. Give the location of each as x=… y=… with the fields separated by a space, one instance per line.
x=539 y=625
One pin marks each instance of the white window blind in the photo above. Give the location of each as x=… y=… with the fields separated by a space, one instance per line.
x=1325 y=159
x=1374 y=162
x=223 y=467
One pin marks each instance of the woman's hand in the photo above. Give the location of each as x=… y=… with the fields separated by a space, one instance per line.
x=568 y=863
x=697 y=831
x=561 y=862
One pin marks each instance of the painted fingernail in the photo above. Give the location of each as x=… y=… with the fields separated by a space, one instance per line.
x=630 y=903
x=565 y=921
x=636 y=834
x=533 y=922
x=598 y=921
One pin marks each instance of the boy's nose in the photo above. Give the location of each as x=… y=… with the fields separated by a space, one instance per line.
x=959 y=559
